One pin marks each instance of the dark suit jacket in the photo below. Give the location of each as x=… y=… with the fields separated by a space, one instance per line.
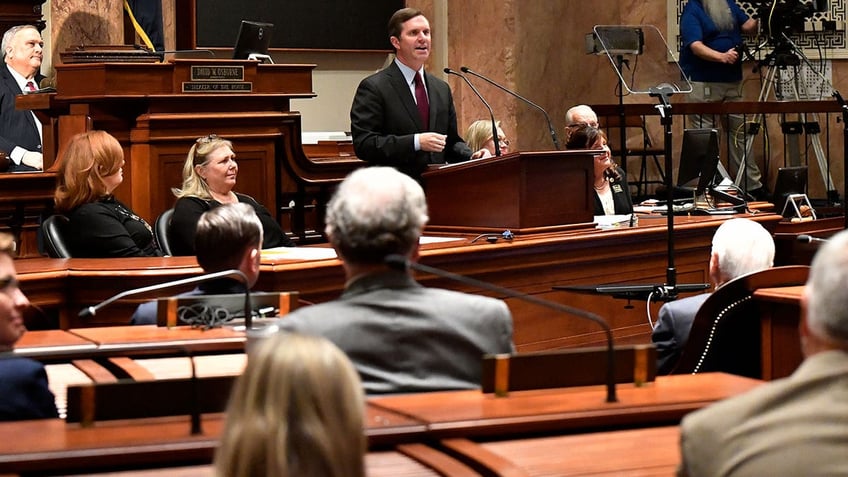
x=672 y=330
x=403 y=337
x=23 y=391
x=17 y=128
x=384 y=120
x=621 y=198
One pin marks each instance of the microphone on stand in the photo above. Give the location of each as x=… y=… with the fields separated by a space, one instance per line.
x=491 y=113
x=248 y=310
x=810 y=239
x=468 y=70
x=399 y=262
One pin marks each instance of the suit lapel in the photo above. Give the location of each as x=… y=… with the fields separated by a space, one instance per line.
x=400 y=86
x=12 y=85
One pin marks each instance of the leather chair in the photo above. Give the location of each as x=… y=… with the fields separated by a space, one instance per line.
x=53 y=236
x=725 y=334
x=160 y=230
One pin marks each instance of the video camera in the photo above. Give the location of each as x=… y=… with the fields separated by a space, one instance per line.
x=778 y=17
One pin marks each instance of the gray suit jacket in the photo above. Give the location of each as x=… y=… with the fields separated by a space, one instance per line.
x=384 y=120
x=789 y=427
x=672 y=330
x=403 y=337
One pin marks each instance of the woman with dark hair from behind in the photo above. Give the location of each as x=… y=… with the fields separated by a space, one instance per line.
x=100 y=225
x=296 y=411
x=209 y=177
x=612 y=194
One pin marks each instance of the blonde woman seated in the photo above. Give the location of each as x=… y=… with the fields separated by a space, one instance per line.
x=296 y=411
x=209 y=177
x=479 y=136
x=100 y=225
x=612 y=194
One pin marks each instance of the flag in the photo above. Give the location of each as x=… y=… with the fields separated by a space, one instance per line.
x=146 y=17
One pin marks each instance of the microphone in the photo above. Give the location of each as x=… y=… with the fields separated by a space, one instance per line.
x=468 y=70
x=248 y=311
x=810 y=239
x=399 y=262
x=491 y=113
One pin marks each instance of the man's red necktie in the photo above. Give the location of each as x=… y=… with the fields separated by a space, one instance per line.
x=30 y=86
x=421 y=99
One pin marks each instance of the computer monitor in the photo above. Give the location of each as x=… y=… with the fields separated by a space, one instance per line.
x=698 y=160
x=253 y=38
x=790 y=180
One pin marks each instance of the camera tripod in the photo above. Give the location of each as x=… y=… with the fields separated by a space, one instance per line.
x=785 y=55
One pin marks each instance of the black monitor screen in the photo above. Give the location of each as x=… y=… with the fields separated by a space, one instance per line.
x=698 y=159
x=790 y=180
x=253 y=37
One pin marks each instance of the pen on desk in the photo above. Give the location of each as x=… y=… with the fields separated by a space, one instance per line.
x=632 y=219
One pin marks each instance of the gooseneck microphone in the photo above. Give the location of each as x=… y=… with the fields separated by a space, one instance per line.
x=491 y=113
x=468 y=70
x=248 y=319
x=810 y=239
x=399 y=262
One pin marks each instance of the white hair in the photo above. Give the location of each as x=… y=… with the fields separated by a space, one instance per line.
x=10 y=34
x=719 y=12
x=827 y=290
x=743 y=246
x=580 y=114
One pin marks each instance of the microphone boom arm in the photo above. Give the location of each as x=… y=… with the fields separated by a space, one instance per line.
x=491 y=112
x=468 y=70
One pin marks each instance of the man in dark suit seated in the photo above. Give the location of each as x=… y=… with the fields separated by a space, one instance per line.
x=792 y=426
x=20 y=132
x=401 y=337
x=23 y=382
x=228 y=237
x=740 y=246
x=403 y=116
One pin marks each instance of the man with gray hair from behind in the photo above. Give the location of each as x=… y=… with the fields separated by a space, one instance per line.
x=740 y=246
x=792 y=426
x=401 y=336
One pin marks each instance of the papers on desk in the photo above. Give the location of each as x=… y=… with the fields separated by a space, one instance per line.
x=613 y=221
x=327 y=253
x=299 y=253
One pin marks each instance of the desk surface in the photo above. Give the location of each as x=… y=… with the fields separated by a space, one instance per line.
x=53 y=444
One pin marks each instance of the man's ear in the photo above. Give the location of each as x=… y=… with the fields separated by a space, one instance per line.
x=715 y=271
x=395 y=42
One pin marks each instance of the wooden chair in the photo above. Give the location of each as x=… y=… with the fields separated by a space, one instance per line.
x=564 y=368
x=725 y=334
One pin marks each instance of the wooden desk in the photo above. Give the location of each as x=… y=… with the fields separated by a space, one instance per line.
x=780 y=314
x=53 y=445
x=472 y=414
x=530 y=264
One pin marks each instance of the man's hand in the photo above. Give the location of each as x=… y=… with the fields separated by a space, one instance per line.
x=729 y=57
x=33 y=159
x=432 y=142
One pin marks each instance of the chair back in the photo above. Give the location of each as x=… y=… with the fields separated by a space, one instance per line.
x=725 y=334
x=53 y=236
x=160 y=230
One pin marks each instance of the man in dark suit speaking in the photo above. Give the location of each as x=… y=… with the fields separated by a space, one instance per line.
x=403 y=116
x=20 y=132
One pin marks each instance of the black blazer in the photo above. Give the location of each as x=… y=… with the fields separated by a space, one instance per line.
x=17 y=128
x=384 y=120
x=620 y=196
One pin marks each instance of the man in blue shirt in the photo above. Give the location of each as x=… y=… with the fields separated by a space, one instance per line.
x=711 y=31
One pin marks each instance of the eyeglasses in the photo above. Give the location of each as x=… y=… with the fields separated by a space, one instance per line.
x=207 y=139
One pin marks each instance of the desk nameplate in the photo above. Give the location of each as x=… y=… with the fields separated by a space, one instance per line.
x=215 y=87
x=217 y=73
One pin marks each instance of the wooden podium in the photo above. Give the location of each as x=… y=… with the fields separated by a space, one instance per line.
x=157 y=110
x=524 y=192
